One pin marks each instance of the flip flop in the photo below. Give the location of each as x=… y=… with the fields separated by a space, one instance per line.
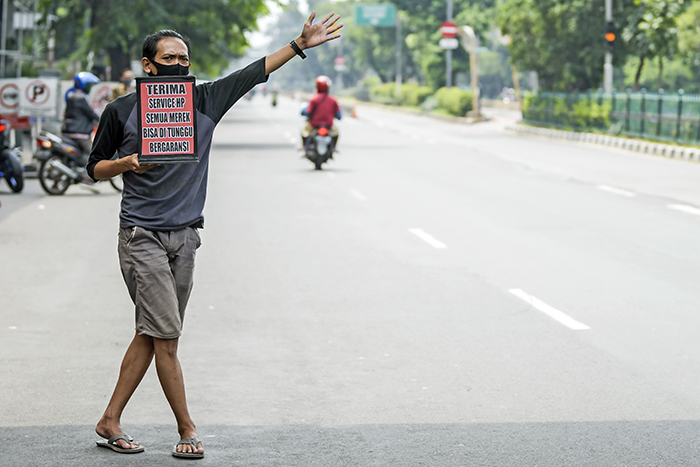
x=111 y=443
x=188 y=455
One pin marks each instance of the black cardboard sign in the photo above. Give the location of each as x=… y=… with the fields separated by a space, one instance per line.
x=167 y=120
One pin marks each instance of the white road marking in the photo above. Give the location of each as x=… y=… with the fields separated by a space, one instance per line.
x=617 y=191
x=358 y=195
x=427 y=238
x=552 y=312
x=684 y=208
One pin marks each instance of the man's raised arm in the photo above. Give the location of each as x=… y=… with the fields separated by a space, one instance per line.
x=311 y=36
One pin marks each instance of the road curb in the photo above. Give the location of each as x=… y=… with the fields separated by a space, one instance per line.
x=645 y=147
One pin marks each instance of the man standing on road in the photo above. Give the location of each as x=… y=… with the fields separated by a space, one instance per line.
x=161 y=212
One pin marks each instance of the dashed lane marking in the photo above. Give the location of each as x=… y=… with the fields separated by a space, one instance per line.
x=358 y=195
x=616 y=191
x=684 y=208
x=550 y=311
x=426 y=237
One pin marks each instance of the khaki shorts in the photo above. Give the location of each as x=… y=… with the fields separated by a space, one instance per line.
x=158 y=268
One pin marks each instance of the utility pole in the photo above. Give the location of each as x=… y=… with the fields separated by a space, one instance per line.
x=608 y=67
x=3 y=39
x=449 y=51
x=398 y=57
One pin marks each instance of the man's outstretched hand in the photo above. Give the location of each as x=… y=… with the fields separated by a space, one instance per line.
x=323 y=31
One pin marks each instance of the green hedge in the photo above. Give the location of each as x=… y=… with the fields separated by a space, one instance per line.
x=565 y=111
x=383 y=94
x=413 y=94
x=455 y=101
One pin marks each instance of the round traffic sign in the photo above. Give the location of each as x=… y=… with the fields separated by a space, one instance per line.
x=37 y=93
x=448 y=30
x=9 y=96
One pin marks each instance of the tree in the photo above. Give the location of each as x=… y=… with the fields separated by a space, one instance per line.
x=117 y=28
x=562 y=41
x=652 y=31
x=689 y=33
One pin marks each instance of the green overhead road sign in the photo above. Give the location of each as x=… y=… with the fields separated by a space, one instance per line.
x=382 y=14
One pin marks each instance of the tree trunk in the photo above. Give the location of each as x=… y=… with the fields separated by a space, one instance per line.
x=639 y=73
x=119 y=60
x=660 y=84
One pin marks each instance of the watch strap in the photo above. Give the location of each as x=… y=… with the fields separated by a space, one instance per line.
x=297 y=49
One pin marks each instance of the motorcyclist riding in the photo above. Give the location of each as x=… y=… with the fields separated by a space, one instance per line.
x=80 y=118
x=321 y=111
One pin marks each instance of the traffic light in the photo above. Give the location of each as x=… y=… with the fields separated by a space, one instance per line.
x=610 y=36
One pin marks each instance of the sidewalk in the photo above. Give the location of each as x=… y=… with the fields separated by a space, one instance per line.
x=645 y=147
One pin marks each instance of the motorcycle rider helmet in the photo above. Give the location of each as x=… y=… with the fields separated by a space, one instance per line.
x=85 y=80
x=323 y=83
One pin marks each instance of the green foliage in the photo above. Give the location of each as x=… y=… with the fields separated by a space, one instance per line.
x=116 y=29
x=574 y=111
x=689 y=33
x=561 y=41
x=384 y=94
x=587 y=113
x=677 y=74
x=651 y=31
x=413 y=94
x=455 y=101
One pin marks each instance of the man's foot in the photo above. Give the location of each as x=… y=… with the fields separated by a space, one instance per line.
x=107 y=431
x=112 y=443
x=189 y=448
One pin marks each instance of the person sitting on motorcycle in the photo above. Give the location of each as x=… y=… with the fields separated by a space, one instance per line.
x=321 y=111
x=80 y=118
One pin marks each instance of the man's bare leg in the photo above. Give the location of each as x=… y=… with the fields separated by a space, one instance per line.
x=136 y=361
x=173 y=383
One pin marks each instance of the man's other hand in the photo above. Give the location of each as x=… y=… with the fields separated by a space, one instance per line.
x=132 y=163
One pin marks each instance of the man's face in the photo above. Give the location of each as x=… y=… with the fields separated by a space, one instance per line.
x=170 y=51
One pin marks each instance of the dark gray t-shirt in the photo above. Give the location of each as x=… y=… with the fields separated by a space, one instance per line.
x=171 y=196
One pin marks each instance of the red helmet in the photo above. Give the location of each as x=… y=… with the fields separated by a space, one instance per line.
x=323 y=83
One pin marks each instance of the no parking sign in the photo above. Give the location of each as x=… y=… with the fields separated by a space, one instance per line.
x=37 y=97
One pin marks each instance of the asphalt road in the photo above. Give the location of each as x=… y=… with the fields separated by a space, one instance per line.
x=439 y=295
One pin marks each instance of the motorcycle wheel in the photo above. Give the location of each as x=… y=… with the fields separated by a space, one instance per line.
x=14 y=174
x=117 y=183
x=52 y=180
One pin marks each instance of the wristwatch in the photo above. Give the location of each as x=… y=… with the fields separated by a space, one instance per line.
x=296 y=48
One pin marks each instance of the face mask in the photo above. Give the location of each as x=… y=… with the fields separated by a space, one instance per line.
x=127 y=82
x=170 y=70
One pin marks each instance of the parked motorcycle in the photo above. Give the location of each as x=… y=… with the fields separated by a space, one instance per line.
x=10 y=161
x=319 y=146
x=63 y=164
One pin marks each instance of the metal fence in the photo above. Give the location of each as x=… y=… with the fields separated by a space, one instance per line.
x=672 y=117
